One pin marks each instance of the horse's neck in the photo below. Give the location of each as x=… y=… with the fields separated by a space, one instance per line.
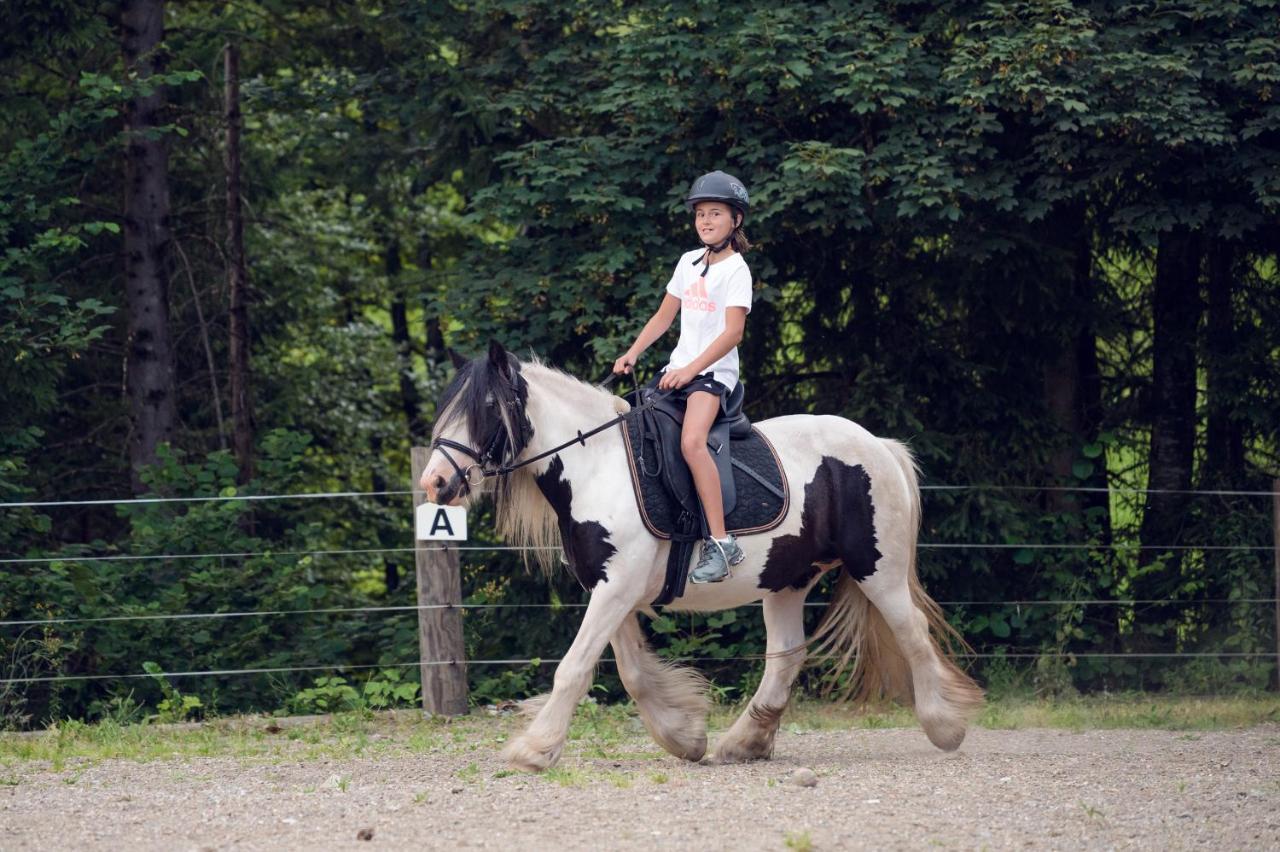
x=560 y=406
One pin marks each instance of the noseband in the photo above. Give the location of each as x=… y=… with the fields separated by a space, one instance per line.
x=473 y=475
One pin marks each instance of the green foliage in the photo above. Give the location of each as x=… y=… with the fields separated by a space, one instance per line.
x=175 y=706
x=390 y=689
x=329 y=695
x=333 y=694
x=506 y=684
x=952 y=204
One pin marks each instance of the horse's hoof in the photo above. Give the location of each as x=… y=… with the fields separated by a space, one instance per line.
x=527 y=754
x=719 y=759
x=693 y=752
x=741 y=752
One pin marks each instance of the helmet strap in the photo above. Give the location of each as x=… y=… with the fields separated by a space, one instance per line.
x=710 y=250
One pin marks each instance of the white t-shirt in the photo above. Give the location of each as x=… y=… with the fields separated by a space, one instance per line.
x=702 y=309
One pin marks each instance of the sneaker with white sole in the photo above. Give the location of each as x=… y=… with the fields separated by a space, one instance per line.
x=717 y=556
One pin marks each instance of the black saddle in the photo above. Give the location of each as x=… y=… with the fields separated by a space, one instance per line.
x=754 y=489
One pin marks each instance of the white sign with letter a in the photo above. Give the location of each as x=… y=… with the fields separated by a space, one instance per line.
x=441 y=523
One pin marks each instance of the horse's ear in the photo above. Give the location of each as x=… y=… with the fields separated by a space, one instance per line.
x=499 y=359
x=458 y=360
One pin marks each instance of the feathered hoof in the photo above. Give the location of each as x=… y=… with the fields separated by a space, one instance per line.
x=693 y=750
x=946 y=734
x=528 y=753
x=740 y=752
x=723 y=758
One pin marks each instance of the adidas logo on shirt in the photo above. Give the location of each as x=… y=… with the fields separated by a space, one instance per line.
x=695 y=297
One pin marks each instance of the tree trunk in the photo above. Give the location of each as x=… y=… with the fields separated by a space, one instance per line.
x=1072 y=379
x=435 y=336
x=378 y=483
x=1224 y=433
x=1176 y=314
x=1224 y=448
x=410 y=401
x=866 y=307
x=1073 y=399
x=150 y=358
x=237 y=278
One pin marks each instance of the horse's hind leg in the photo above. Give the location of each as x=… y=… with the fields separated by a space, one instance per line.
x=672 y=700
x=944 y=696
x=751 y=737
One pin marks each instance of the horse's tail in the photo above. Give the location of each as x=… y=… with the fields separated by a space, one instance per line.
x=860 y=642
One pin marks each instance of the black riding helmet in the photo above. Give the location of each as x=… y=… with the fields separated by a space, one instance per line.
x=718 y=186
x=725 y=188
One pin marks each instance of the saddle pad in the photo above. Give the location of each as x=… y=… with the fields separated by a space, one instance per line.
x=758 y=508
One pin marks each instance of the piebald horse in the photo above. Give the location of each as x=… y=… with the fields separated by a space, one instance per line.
x=855 y=508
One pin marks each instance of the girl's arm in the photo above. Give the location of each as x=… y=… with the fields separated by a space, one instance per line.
x=653 y=329
x=735 y=322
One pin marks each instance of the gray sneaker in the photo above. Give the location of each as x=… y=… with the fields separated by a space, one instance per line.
x=717 y=556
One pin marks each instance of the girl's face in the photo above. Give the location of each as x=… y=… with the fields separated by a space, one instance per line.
x=713 y=221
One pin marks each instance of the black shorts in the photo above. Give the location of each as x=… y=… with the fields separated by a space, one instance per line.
x=705 y=383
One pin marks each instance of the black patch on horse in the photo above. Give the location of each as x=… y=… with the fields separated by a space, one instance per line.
x=586 y=543
x=837 y=523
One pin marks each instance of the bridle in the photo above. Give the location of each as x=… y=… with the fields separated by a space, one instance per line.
x=469 y=480
x=474 y=475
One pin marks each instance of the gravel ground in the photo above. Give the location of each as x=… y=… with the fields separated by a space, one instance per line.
x=876 y=789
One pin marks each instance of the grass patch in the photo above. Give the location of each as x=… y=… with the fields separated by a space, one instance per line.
x=567 y=776
x=799 y=841
x=599 y=732
x=1144 y=711
x=1132 y=711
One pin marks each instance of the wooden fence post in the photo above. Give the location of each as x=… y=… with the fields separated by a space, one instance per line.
x=441 y=654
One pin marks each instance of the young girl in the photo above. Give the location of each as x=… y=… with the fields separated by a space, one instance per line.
x=711 y=291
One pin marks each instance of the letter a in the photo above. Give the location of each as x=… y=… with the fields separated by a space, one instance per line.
x=441 y=522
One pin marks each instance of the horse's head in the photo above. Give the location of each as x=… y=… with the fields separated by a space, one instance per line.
x=481 y=426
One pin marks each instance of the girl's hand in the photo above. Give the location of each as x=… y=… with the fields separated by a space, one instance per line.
x=624 y=364
x=673 y=379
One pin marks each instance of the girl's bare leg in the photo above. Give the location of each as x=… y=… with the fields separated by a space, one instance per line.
x=700 y=412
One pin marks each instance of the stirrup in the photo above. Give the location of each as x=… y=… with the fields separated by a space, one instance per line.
x=707 y=557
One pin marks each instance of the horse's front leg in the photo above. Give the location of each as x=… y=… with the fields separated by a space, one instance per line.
x=672 y=700
x=612 y=601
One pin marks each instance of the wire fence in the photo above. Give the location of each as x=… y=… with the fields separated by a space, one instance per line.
x=924 y=545
x=329 y=495
x=419 y=608
x=407 y=608
x=540 y=661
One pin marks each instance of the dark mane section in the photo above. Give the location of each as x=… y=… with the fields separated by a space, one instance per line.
x=479 y=394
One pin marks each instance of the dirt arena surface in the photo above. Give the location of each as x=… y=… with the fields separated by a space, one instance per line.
x=876 y=789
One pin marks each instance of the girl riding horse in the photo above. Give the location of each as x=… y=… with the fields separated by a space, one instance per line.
x=711 y=291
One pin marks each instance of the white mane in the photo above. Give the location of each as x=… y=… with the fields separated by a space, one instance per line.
x=559 y=406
